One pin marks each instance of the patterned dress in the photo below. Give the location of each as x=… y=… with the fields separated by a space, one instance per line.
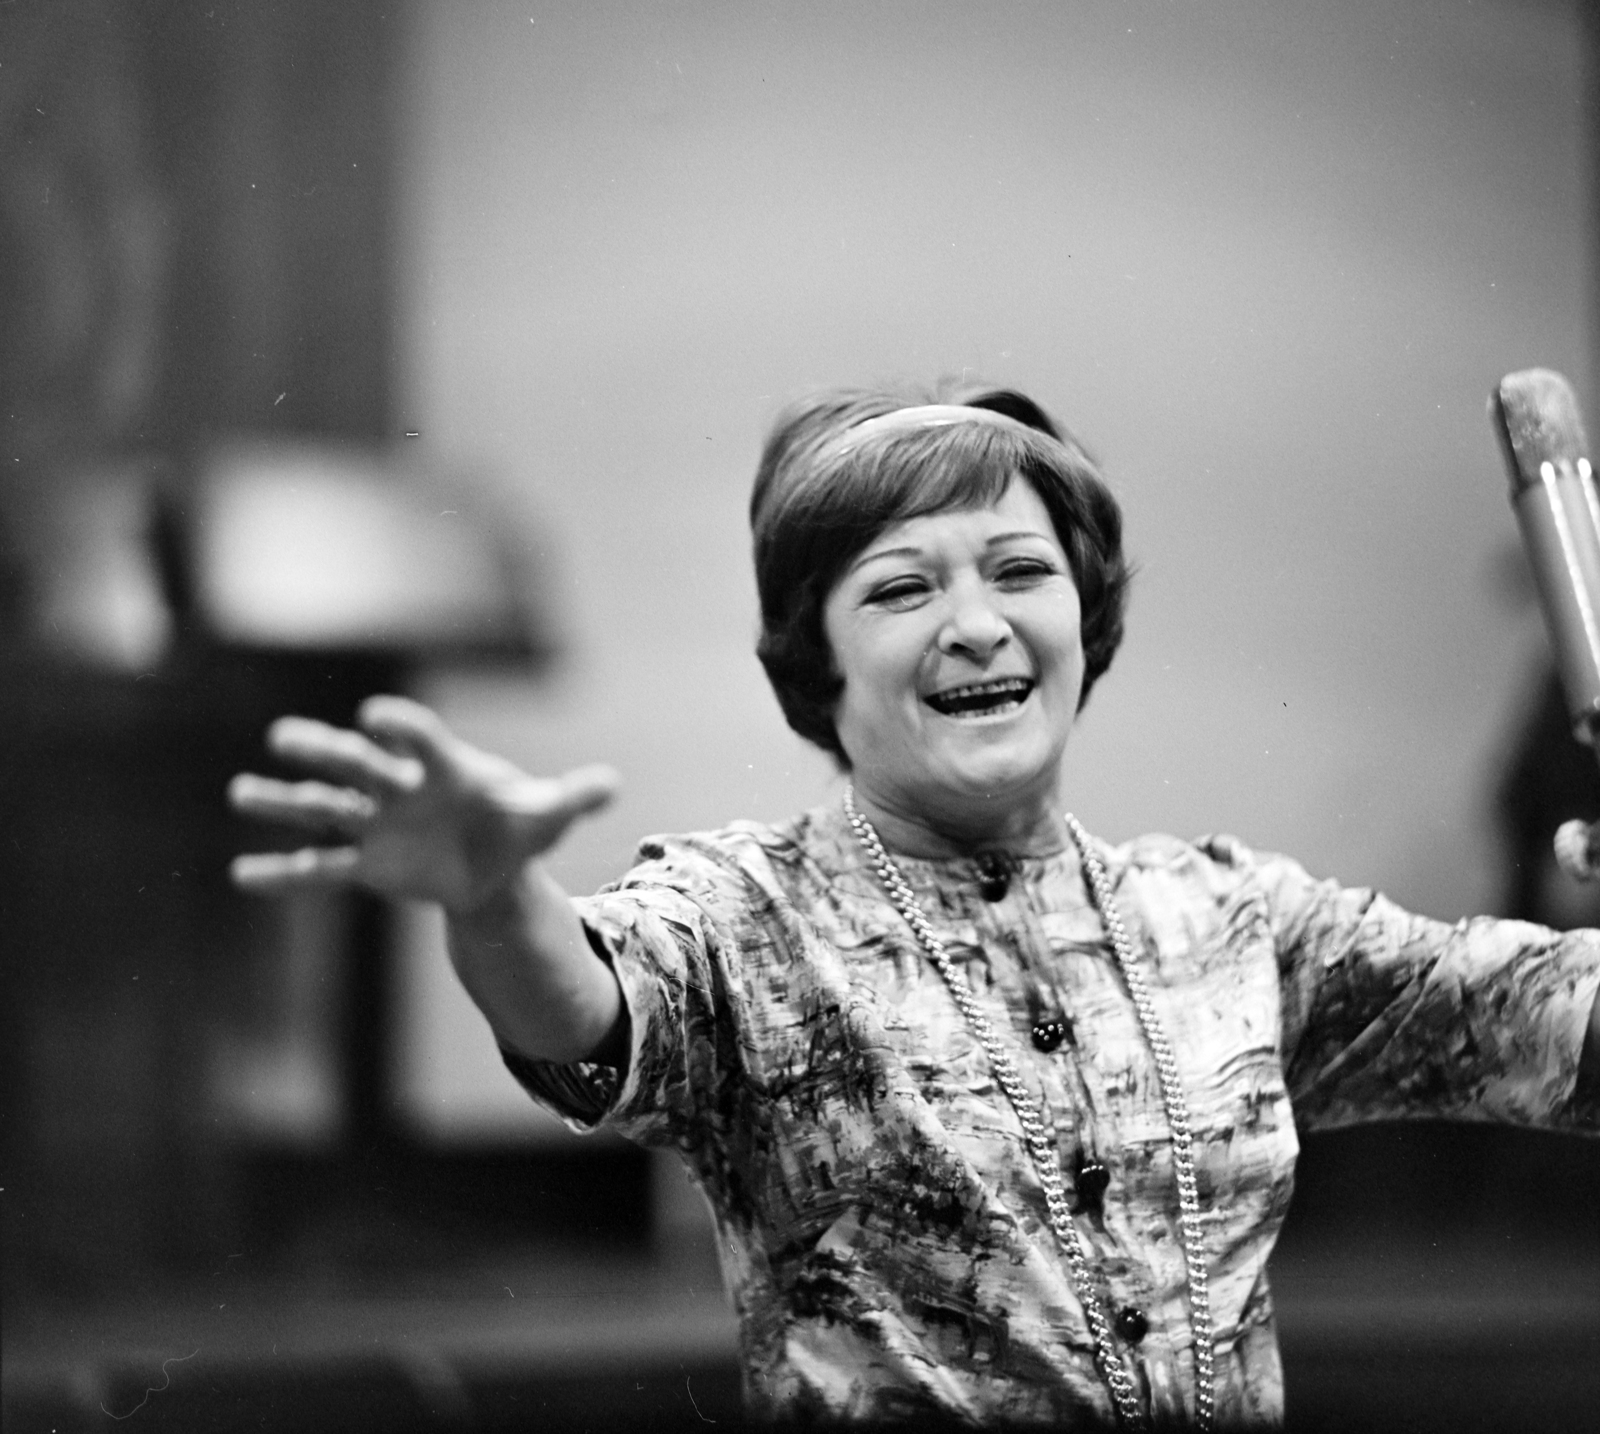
x=883 y=1234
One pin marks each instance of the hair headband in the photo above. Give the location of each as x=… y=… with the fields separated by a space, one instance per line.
x=923 y=415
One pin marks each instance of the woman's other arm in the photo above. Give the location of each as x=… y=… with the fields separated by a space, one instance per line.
x=406 y=809
x=1388 y=1014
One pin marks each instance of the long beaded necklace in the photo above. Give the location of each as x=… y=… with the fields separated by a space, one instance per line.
x=1040 y=1146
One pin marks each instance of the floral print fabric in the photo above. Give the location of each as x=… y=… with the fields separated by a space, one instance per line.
x=883 y=1233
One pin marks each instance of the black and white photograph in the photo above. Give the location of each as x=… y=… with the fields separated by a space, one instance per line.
x=785 y=714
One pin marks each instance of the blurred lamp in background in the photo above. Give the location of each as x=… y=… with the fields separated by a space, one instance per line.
x=335 y=548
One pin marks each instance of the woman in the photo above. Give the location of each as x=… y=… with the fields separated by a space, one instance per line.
x=997 y=1121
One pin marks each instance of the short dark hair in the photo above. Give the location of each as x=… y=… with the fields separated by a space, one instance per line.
x=817 y=503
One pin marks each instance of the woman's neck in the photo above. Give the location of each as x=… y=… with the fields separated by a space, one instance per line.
x=1032 y=828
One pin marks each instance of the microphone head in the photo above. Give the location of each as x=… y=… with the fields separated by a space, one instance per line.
x=1537 y=421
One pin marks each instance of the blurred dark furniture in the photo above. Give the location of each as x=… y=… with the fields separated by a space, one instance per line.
x=253 y=148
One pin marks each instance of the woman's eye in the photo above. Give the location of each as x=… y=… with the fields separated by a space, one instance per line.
x=902 y=592
x=1024 y=571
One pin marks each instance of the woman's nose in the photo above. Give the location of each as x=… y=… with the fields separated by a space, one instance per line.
x=975 y=627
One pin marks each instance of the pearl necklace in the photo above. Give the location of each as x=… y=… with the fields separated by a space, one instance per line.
x=1113 y=1369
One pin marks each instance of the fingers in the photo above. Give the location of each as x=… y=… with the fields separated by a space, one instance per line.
x=347 y=757
x=408 y=728
x=271 y=872
x=315 y=806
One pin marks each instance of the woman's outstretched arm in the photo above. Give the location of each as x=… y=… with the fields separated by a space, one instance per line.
x=406 y=809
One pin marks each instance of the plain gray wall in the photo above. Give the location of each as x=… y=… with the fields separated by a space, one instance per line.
x=1266 y=258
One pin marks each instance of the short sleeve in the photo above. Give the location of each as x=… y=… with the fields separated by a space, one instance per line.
x=669 y=931
x=1387 y=1014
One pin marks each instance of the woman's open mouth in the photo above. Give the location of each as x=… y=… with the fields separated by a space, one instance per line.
x=982 y=699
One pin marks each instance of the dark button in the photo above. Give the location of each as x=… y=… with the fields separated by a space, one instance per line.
x=1091 y=1182
x=1132 y=1324
x=1047 y=1035
x=994 y=876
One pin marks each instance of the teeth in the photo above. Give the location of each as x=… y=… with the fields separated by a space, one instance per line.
x=981 y=696
x=1004 y=684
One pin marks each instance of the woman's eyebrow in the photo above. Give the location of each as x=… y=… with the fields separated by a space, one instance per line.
x=909 y=551
x=1020 y=533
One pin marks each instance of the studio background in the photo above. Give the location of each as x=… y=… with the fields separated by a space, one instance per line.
x=1266 y=261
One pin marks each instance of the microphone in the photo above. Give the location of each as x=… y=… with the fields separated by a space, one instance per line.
x=1536 y=418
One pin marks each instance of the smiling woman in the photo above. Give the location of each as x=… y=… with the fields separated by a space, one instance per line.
x=957 y=635
x=840 y=469
x=997 y=1122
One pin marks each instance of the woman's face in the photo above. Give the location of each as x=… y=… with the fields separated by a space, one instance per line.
x=957 y=635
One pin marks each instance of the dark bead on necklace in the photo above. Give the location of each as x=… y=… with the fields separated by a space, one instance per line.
x=1091 y=1183
x=1047 y=1035
x=1132 y=1324
x=994 y=875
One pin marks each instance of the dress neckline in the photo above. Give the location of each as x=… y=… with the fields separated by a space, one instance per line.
x=933 y=869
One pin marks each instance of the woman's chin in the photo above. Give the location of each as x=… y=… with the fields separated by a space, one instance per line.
x=994 y=758
x=993 y=779
x=982 y=780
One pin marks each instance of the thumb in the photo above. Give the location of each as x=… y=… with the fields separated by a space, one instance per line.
x=554 y=803
x=541 y=809
x=586 y=789
x=1578 y=849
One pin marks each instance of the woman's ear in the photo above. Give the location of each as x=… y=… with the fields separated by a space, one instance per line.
x=837 y=751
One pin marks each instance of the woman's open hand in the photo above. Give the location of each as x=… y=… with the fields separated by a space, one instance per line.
x=405 y=808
